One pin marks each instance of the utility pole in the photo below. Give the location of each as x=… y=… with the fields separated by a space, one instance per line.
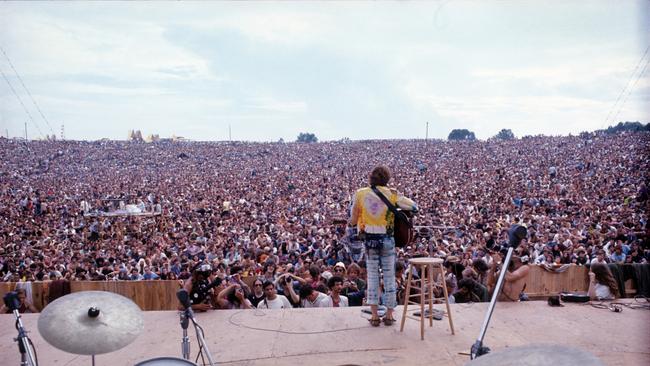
x=62 y=132
x=426 y=136
x=229 y=133
x=25 y=131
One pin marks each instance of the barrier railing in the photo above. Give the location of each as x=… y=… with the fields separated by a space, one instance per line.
x=161 y=295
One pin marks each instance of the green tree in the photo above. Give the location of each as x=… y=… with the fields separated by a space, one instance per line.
x=628 y=126
x=461 y=135
x=505 y=134
x=306 y=137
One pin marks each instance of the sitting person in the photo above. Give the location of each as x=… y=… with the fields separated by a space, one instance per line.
x=310 y=298
x=335 y=299
x=470 y=290
x=514 y=281
x=271 y=299
x=602 y=285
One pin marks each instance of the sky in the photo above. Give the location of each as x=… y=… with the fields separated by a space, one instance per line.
x=358 y=70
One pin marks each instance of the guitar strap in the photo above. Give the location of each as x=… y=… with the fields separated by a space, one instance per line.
x=390 y=206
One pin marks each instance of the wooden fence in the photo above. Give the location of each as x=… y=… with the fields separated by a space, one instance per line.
x=161 y=295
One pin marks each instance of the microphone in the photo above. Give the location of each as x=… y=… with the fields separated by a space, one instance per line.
x=11 y=301
x=516 y=234
x=184 y=297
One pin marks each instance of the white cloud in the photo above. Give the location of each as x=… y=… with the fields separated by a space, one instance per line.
x=271 y=104
x=44 y=45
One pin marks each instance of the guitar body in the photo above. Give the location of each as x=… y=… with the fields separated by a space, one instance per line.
x=404 y=232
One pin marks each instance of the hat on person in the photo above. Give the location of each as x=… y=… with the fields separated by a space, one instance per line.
x=339 y=264
x=326 y=275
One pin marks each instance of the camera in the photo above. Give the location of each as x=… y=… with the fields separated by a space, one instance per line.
x=288 y=280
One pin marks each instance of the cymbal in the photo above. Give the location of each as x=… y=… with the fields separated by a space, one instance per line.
x=537 y=355
x=67 y=323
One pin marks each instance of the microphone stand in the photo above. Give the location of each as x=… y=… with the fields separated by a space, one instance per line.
x=478 y=349
x=185 y=344
x=27 y=357
x=185 y=316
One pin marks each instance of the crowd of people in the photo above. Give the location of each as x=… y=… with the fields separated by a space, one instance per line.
x=227 y=213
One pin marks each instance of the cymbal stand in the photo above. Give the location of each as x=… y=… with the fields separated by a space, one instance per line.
x=27 y=354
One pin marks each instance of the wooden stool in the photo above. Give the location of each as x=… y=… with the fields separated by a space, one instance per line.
x=425 y=285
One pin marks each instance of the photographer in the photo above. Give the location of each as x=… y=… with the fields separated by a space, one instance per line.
x=232 y=297
x=286 y=282
x=200 y=287
x=354 y=288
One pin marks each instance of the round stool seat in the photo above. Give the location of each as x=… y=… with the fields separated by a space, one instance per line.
x=425 y=261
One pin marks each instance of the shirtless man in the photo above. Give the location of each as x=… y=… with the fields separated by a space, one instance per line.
x=514 y=281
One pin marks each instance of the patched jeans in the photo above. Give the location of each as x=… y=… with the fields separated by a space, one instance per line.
x=384 y=258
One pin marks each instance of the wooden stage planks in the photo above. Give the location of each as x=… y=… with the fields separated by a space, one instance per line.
x=344 y=336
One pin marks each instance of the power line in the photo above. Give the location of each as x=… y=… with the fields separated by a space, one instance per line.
x=626 y=87
x=632 y=88
x=27 y=90
x=21 y=102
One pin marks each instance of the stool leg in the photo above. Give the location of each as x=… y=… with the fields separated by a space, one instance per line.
x=444 y=288
x=423 y=281
x=431 y=283
x=409 y=278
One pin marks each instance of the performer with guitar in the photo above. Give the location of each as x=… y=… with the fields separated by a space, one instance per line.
x=377 y=213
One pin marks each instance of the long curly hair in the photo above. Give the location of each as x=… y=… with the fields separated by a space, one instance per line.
x=604 y=277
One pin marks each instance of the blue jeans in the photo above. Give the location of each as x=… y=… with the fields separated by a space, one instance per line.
x=383 y=258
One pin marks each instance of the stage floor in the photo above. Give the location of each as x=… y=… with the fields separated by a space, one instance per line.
x=344 y=336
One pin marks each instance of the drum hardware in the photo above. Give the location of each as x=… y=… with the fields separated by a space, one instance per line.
x=90 y=323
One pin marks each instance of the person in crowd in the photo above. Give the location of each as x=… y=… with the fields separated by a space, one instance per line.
x=601 y=257
x=335 y=299
x=310 y=298
x=470 y=290
x=257 y=293
x=286 y=283
x=271 y=299
x=514 y=281
x=602 y=285
x=24 y=307
x=374 y=224
x=232 y=297
x=354 y=288
x=201 y=287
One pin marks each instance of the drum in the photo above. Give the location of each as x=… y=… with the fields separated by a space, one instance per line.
x=166 y=361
